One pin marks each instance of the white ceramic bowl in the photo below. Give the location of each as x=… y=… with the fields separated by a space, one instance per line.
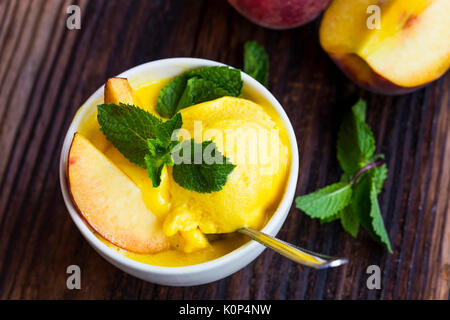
x=200 y=273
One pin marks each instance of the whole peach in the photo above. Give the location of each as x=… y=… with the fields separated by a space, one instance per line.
x=280 y=14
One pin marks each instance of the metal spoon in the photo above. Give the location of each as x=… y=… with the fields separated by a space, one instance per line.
x=294 y=253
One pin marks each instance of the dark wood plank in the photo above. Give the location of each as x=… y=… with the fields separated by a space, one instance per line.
x=47 y=72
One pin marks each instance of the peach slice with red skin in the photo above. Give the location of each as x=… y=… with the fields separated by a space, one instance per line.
x=110 y=202
x=105 y=196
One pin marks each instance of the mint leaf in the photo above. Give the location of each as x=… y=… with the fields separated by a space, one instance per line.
x=365 y=203
x=377 y=220
x=200 y=90
x=198 y=86
x=128 y=128
x=170 y=95
x=380 y=176
x=256 y=62
x=327 y=201
x=165 y=130
x=333 y=217
x=361 y=201
x=359 y=111
x=356 y=144
x=200 y=177
x=222 y=77
x=350 y=221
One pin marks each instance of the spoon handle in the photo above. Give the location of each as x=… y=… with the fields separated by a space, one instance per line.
x=294 y=253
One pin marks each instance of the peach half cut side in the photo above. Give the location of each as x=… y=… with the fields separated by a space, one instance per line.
x=410 y=47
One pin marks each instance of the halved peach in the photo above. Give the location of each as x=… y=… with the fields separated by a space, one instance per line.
x=408 y=49
x=110 y=202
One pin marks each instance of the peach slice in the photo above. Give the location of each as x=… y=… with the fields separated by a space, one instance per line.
x=410 y=48
x=110 y=202
x=119 y=90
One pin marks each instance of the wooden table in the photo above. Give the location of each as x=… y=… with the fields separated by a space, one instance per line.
x=48 y=71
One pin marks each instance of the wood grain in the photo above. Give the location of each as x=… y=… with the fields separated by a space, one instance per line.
x=48 y=71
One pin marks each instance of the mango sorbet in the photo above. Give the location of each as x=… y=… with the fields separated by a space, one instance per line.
x=197 y=224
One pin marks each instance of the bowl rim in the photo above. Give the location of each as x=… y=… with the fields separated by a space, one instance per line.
x=271 y=227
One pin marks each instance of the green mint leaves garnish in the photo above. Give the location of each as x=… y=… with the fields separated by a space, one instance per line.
x=353 y=200
x=256 y=62
x=198 y=86
x=147 y=141
x=151 y=143
x=207 y=176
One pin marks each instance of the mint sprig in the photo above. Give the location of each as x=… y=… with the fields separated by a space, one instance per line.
x=353 y=200
x=198 y=86
x=151 y=143
x=256 y=62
